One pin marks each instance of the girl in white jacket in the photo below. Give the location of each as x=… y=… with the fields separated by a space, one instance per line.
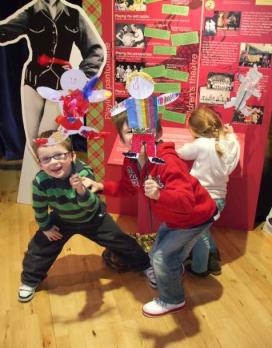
x=215 y=152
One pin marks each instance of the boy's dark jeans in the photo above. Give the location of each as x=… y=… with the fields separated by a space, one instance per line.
x=103 y=230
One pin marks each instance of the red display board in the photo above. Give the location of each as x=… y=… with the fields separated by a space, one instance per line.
x=200 y=49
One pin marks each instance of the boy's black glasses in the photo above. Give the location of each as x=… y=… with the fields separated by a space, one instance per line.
x=58 y=157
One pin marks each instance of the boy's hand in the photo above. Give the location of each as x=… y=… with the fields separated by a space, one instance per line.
x=151 y=188
x=77 y=184
x=53 y=233
x=93 y=185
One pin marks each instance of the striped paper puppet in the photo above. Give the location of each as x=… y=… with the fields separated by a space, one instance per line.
x=142 y=112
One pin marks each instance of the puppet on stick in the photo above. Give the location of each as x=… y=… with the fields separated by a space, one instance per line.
x=142 y=111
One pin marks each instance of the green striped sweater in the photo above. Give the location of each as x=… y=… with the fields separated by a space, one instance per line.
x=57 y=194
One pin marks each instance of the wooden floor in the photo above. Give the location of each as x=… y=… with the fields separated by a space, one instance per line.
x=84 y=304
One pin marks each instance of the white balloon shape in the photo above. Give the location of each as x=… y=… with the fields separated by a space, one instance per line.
x=73 y=79
x=140 y=88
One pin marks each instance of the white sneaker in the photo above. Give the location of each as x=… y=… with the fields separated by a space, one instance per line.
x=26 y=293
x=150 y=274
x=158 y=307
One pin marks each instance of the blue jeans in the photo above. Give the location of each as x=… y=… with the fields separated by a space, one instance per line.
x=170 y=249
x=205 y=245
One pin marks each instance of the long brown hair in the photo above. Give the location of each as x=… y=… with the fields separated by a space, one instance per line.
x=205 y=122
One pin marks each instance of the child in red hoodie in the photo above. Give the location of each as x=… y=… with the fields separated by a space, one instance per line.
x=178 y=199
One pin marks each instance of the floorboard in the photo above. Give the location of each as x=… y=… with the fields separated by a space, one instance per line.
x=83 y=304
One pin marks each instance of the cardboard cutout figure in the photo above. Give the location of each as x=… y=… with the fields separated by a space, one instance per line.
x=52 y=28
x=142 y=111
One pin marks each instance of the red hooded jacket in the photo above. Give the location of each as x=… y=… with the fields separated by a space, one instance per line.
x=183 y=202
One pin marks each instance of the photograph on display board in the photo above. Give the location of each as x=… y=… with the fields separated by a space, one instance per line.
x=255 y=117
x=227 y=20
x=213 y=96
x=129 y=5
x=210 y=28
x=220 y=81
x=123 y=69
x=129 y=35
x=255 y=53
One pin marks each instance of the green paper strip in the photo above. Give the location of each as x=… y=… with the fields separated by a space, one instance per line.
x=150 y=1
x=161 y=109
x=168 y=115
x=185 y=38
x=157 y=33
x=155 y=71
x=176 y=75
x=175 y=10
x=167 y=50
x=167 y=87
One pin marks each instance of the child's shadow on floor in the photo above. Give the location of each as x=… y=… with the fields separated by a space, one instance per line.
x=77 y=273
x=231 y=244
x=88 y=273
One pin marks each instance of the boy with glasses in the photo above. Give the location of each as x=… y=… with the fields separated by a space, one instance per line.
x=59 y=186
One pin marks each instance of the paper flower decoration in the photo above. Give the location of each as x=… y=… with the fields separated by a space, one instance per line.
x=55 y=138
x=74 y=104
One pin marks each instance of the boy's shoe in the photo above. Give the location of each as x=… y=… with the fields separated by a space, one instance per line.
x=214 y=266
x=26 y=293
x=150 y=274
x=113 y=262
x=201 y=275
x=158 y=307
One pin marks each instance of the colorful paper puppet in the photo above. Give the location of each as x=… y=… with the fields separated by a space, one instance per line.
x=247 y=88
x=74 y=98
x=142 y=111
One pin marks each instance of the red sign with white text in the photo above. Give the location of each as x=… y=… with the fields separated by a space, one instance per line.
x=202 y=49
